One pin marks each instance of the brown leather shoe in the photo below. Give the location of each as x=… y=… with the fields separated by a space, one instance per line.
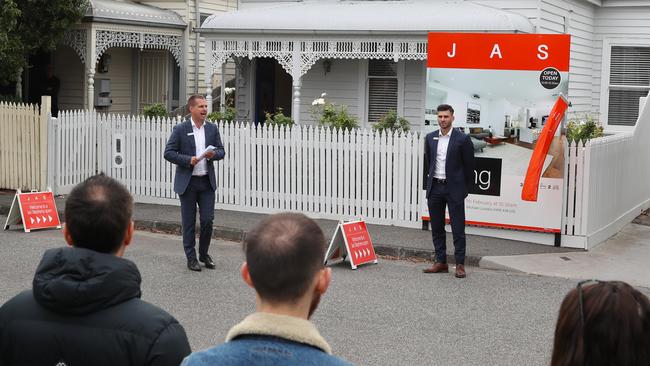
x=460 y=271
x=437 y=268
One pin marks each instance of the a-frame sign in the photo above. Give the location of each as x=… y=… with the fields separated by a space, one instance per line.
x=351 y=240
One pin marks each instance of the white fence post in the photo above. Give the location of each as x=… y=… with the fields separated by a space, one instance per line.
x=46 y=107
x=51 y=154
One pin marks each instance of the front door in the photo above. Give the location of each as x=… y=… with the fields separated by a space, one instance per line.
x=154 y=78
x=272 y=89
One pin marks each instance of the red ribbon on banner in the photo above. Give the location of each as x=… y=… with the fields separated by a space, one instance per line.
x=534 y=173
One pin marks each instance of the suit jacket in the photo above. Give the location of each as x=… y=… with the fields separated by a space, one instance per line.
x=459 y=166
x=181 y=147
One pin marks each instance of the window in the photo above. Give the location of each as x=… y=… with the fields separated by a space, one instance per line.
x=382 y=88
x=629 y=79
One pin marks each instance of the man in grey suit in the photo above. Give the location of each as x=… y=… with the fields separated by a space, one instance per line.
x=449 y=172
x=195 y=181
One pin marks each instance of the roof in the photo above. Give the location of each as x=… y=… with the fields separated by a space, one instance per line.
x=368 y=17
x=128 y=12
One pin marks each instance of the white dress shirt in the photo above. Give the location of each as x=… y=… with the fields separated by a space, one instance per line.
x=441 y=154
x=201 y=168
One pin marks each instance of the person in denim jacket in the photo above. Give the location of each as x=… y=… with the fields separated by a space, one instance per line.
x=284 y=265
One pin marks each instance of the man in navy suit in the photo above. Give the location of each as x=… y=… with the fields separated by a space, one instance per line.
x=195 y=180
x=449 y=171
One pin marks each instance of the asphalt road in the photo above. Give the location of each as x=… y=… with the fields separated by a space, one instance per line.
x=384 y=314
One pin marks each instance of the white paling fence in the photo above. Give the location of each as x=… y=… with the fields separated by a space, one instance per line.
x=325 y=173
x=608 y=182
x=336 y=174
x=23 y=145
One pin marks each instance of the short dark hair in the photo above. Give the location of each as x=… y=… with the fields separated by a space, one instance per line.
x=606 y=323
x=191 y=101
x=445 y=107
x=98 y=213
x=284 y=252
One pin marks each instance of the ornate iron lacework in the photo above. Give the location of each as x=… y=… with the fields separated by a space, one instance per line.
x=218 y=51
x=76 y=39
x=107 y=39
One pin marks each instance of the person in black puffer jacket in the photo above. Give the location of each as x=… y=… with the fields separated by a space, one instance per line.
x=85 y=306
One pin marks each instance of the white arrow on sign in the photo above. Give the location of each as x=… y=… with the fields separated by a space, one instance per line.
x=32 y=219
x=49 y=217
x=38 y=220
x=44 y=219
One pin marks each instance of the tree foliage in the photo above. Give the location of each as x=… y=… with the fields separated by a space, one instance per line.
x=11 y=48
x=29 y=26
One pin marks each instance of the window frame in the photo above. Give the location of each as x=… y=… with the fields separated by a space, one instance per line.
x=605 y=86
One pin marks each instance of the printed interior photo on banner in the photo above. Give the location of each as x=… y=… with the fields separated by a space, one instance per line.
x=503 y=88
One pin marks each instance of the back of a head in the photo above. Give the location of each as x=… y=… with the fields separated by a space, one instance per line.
x=606 y=323
x=98 y=213
x=284 y=252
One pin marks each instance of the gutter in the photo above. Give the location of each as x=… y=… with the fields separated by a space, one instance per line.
x=95 y=19
x=422 y=33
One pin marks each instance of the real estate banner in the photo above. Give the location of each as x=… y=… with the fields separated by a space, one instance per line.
x=503 y=88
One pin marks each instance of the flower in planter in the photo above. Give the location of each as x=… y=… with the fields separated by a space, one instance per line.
x=227 y=115
x=391 y=122
x=332 y=115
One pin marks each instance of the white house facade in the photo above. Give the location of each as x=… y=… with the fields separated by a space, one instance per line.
x=371 y=55
x=125 y=55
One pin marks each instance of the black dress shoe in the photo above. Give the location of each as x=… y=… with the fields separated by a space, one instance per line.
x=193 y=265
x=207 y=260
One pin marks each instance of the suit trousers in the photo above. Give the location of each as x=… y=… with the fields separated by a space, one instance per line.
x=199 y=191
x=439 y=197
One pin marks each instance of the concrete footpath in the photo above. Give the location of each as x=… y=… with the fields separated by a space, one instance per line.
x=390 y=241
x=624 y=257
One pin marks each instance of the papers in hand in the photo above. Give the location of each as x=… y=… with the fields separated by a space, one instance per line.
x=205 y=152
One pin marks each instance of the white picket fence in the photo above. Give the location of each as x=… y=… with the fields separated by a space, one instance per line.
x=325 y=173
x=336 y=174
